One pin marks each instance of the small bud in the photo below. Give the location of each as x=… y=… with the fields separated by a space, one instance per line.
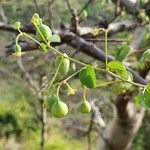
x=36 y=15
x=42 y=47
x=17 y=50
x=71 y=91
x=36 y=19
x=95 y=32
x=17 y=24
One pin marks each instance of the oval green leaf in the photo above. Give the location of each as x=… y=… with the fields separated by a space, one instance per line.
x=145 y=99
x=63 y=64
x=117 y=67
x=54 y=38
x=88 y=77
x=122 y=52
x=146 y=54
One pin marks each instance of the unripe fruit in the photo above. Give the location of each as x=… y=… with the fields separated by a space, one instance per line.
x=59 y=109
x=64 y=66
x=42 y=47
x=50 y=101
x=84 y=107
x=44 y=33
x=17 y=50
x=17 y=24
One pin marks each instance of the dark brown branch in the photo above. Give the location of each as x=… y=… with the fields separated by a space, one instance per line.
x=103 y=40
x=89 y=49
x=77 y=43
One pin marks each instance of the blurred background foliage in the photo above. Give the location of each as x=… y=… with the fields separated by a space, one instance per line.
x=19 y=109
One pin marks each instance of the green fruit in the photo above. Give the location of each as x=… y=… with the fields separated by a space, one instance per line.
x=84 y=107
x=50 y=101
x=42 y=47
x=59 y=109
x=44 y=30
x=63 y=64
x=17 y=50
x=123 y=86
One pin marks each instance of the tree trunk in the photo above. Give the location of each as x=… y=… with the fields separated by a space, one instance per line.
x=119 y=133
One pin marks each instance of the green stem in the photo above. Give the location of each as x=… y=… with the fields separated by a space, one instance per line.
x=106 y=47
x=23 y=33
x=84 y=64
x=40 y=33
x=58 y=88
x=17 y=38
x=54 y=76
x=84 y=94
x=118 y=77
x=68 y=78
x=73 y=74
x=74 y=60
x=105 y=84
x=67 y=84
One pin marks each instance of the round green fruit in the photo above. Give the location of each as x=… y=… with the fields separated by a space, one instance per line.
x=84 y=107
x=59 y=109
x=63 y=64
x=50 y=101
x=43 y=32
x=17 y=50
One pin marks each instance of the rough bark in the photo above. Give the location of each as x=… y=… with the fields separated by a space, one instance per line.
x=119 y=133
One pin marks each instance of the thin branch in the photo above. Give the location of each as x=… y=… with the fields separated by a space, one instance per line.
x=97 y=115
x=36 y=6
x=2 y=13
x=29 y=78
x=50 y=2
x=69 y=7
x=109 y=40
x=85 y=7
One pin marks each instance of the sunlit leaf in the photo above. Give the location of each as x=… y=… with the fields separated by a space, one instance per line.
x=146 y=54
x=54 y=38
x=87 y=77
x=122 y=52
x=117 y=67
x=145 y=99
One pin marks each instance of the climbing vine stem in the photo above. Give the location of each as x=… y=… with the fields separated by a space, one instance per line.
x=77 y=61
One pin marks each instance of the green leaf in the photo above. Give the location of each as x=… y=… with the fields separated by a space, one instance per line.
x=145 y=99
x=42 y=47
x=124 y=86
x=84 y=14
x=146 y=54
x=54 y=38
x=63 y=64
x=122 y=52
x=117 y=67
x=87 y=77
x=148 y=87
x=136 y=100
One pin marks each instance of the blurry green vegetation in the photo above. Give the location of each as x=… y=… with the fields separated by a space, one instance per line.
x=18 y=118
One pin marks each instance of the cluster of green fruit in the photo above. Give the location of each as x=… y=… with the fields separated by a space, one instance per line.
x=59 y=109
